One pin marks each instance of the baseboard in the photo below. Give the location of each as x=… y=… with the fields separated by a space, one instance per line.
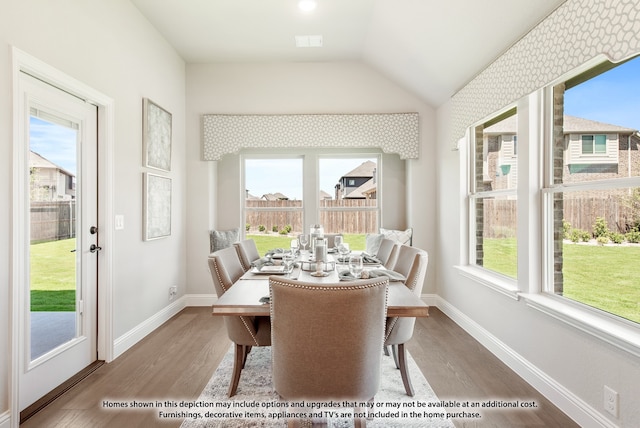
x=200 y=299
x=5 y=420
x=136 y=334
x=572 y=405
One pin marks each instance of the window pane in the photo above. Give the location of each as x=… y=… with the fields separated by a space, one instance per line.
x=600 y=144
x=600 y=253
x=587 y=144
x=496 y=221
x=349 y=202
x=496 y=155
x=273 y=201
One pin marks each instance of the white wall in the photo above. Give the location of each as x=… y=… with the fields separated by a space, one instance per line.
x=292 y=88
x=110 y=47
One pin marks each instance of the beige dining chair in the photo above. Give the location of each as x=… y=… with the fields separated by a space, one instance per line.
x=412 y=263
x=387 y=252
x=326 y=339
x=331 y=239
x=245 y=332
x=247 y=252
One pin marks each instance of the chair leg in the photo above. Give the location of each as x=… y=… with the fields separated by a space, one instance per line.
x=360 y=422
x=246 y=350
x=239 y=357
x=404 y=370
x=394 y=350
x=386 y=350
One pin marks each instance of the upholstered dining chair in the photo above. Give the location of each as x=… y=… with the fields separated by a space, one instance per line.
x=331 y=239
x=326 y=339
x=412 y=263
x=243 y=331
x=247 y=252
x=387 y=252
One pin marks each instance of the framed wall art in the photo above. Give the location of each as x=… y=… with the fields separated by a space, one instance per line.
x=156 y=136
x=157 y=206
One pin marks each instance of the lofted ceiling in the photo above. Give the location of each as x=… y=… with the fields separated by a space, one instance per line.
x=429 y=47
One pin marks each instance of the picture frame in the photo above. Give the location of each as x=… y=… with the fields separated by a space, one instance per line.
x=157 y=206
x=156 y=136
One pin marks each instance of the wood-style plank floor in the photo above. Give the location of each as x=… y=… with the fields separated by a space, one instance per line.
x=176 y=361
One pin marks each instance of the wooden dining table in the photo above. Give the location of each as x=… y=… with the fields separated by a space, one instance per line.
x=244 y=297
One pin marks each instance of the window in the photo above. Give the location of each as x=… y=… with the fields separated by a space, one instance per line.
x=492 y=197
x=273 y=206
x=347 y=189
x=594 y=235
x=594 y=144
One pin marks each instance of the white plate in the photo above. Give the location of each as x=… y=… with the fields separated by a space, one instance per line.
x=268 y=270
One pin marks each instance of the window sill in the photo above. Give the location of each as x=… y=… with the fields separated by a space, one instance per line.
x=496 y=282
x=620 y=333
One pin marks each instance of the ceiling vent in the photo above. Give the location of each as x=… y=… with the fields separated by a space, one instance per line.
x=309 y=41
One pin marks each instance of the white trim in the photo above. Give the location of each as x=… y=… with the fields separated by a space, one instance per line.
x=22 y=61
x=572 y=405
x=617 y=332
x=496 y=282
x=139 y=332
x=5 y=420
x=200 y=299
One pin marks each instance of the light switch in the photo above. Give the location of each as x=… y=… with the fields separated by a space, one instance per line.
x=119 y=222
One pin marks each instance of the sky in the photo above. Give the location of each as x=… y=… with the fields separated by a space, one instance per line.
x=612 y=97
x=285 y=175
x=56 y=143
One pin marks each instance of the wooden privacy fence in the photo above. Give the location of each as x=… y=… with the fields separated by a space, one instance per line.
x=282 y=213
x=52 y=221
x=500 y=215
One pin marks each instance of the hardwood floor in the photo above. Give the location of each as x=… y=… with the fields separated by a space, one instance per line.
x=176 y=361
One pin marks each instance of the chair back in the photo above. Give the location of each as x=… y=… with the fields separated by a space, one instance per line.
x=387 y=253
x=412 y=264
x=326 y=339
x=247 y=252
x=226 y=269
x=331 y=239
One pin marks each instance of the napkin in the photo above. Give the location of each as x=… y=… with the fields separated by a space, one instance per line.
x=373 y=273
x=263 y=261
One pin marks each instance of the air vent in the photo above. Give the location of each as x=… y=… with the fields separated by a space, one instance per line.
x=314 y=41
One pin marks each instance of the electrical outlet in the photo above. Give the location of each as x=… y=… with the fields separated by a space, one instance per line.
x=611 y=401
x=173 y=290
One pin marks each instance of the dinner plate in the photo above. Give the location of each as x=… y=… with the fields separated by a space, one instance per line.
x=268 y=270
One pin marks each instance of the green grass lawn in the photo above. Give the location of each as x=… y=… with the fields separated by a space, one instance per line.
x=266 y=242
x=53 y=271
x=605 y=277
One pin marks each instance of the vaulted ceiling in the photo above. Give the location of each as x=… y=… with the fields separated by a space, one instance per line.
x=430 y=47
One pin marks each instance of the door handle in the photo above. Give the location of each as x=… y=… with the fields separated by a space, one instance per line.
x=94 y=248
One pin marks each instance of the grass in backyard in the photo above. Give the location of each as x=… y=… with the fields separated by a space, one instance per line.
x=266 y=241
x=604 y=277
x=53 y=275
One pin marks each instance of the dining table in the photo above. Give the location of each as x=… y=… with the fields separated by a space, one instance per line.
x=249 y=295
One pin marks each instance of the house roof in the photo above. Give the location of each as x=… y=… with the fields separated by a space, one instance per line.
x=360 y=192
x=274 y=196
x=572 y=125
x=325 y=195
x=432 y=49
x=364 y=170
x=38 y=161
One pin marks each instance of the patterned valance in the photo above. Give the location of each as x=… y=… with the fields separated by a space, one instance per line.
x=392 y=133
x=576 y=32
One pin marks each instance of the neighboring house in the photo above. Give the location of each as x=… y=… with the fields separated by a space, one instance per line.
x=359 y=183
x=275 y=197
x=50 y=182
x=592 y=150
x=324 y=196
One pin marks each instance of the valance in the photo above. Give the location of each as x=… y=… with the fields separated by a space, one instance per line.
x=392 y=133
x=575 y=33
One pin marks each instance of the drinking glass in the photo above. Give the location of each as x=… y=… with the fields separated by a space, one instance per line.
x=337 y=241
x=294 y=247
x=344 y=251
x=355 y=265
x=304 y=240
x=287 y=262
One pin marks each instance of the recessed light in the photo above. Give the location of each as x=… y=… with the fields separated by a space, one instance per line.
x=307 y=5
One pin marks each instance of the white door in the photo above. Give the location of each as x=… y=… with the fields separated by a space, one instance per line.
x=58 y=302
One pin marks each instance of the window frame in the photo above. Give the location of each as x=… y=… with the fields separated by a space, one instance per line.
x=490 y=278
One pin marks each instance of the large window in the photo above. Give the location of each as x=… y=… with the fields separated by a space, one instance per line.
x=594 y=201
x=346 y=199
x=492 y=196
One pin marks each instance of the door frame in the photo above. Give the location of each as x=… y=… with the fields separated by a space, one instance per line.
x=23 y=62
